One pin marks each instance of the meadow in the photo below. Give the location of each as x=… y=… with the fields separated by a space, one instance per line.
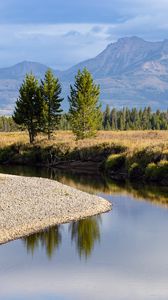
x=131 y=139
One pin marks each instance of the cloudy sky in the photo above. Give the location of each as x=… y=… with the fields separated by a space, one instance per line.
x=60 y=33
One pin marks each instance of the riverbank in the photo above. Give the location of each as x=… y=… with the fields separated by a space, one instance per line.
x=130 y=155
x=95 y=183
x=28 y=205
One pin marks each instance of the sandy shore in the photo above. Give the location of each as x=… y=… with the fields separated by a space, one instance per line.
x=28 y=205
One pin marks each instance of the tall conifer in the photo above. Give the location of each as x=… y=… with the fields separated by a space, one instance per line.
x=85 y=114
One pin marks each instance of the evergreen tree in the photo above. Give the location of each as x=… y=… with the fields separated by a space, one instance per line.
x=113 y=119
x=29 y=107
x=7 y=124
x=145 y=119
x=134 y=116
x=64 y=123
x=51 y=91
x=133 y=119
x=106 y=119
x=120 y=120
x=85 y=114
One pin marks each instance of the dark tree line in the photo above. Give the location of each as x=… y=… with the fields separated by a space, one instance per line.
x=127 y=119
x=134 y=119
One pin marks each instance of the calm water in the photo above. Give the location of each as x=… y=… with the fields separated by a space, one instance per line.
x=119 y=255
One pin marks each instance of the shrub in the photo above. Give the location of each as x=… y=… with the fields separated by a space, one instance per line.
x=115 y=162
x=146 y=156
x=157 y=172
x=6 y=154
x=165 y=155
x=135 y=171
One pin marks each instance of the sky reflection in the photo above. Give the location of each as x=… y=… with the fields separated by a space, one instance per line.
x=130 y=262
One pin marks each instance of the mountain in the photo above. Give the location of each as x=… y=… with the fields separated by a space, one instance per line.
x=11 y=79
x=18 y=71
x=131 y=72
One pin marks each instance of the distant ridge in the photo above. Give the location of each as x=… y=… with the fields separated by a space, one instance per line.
x=131 y=72
x=19 y=70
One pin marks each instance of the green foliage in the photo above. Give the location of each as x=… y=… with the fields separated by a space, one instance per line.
x=64 y=123
x=165 y=154
x=51 y=91
x=157 y=172
x=147 y=155
x=127 y=119
x=115 y=162
x=135 y=171
x=106 y=118
x=6 y=154
x=7 y=124
x=133 y=119
x=85 y=114
x=29 y=106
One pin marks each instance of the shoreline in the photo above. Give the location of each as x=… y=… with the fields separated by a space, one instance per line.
x=121 y=156
x=157 y=175
x=29 y=205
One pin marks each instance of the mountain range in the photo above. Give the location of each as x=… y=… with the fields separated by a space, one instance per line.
x=131 y=72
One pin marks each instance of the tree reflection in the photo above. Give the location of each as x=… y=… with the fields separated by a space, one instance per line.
x=50 y=239
x=85 y=233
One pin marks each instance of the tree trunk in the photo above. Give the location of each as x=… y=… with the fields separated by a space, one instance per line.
x=31 y=137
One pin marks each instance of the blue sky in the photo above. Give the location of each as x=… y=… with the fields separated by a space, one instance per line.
x=60 y=33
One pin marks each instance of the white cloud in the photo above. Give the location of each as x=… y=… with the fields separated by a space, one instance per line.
x=146 y=26
x=58 y=45
x=63 y=45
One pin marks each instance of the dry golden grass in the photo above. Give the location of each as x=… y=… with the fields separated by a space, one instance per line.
x=131 y=139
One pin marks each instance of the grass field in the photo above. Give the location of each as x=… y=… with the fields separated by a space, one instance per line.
x=130 y=139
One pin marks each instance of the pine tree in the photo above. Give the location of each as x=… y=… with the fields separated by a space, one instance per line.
x=135 y=119
x=121 y=124
x=29 y=106
x=51 y=91
x=106 y=121
x=85 y=114
x=113 y=119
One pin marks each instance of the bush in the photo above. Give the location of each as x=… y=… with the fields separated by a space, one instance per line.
x=157 y=172
x=6 y=154
x=147 y=156
x=165 y=155
x=115 y=162
x=135 y=171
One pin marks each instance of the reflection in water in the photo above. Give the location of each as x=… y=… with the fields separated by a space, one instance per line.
x=95 y=184
x=50 y=239
x=132 y=259
x=84 y=233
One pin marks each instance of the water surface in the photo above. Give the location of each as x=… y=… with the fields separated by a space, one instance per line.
x=119 y=255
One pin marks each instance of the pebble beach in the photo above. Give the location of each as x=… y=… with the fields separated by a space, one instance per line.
x=29 y=205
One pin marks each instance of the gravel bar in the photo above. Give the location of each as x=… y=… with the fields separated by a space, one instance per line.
x=29 y=204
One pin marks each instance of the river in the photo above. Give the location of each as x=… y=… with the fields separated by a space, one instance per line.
x=120 y=255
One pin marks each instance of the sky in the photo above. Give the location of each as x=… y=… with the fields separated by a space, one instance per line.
x=61 y=33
